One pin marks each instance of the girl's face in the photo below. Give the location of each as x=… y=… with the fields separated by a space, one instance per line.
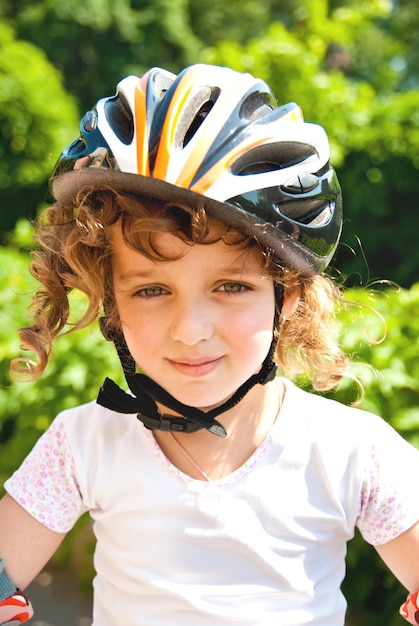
x=199 y=325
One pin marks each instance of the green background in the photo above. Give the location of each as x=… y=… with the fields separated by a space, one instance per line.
x=352 y=66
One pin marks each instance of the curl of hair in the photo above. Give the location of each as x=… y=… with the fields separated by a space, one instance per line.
x=308 y=340
x=75 y=254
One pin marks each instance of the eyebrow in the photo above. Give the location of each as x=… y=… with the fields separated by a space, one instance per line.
x=131 y=274
x=228 y=270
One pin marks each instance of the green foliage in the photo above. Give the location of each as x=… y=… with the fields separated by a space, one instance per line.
x=96 y=42
x=35 y=116
x=380 y=214
x=382 y=330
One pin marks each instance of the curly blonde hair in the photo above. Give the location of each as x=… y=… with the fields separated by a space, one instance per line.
x=75 y=254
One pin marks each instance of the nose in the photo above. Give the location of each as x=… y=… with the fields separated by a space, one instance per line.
x=192 y=321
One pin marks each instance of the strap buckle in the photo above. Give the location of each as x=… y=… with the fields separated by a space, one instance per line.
x=167 y=424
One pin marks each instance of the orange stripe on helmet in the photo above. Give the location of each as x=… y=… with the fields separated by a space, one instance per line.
x=223 y=165
x=226 y=160
x=140 y=112
x=176 y=108
x=208 y=132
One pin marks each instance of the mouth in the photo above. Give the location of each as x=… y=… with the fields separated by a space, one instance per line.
x=195 y=369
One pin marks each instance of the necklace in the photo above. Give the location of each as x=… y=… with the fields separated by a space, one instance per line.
x=194 y=463
x=190 y=459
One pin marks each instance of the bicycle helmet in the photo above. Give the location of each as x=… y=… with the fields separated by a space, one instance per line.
x=213 y=137
x=217 y=134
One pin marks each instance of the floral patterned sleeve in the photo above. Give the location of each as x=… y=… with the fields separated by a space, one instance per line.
x=45 y=485
x=387 y=507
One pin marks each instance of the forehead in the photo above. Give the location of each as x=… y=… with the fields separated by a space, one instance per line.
x=219 y=250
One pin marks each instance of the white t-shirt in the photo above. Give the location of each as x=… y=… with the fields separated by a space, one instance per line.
x=264 y=546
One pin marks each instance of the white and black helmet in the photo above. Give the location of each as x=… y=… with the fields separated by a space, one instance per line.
x=217 y=134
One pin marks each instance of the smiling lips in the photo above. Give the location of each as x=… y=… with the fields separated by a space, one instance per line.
x=195 y=369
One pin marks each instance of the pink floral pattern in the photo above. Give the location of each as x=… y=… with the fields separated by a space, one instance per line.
x=45 y=485
x=382 y=517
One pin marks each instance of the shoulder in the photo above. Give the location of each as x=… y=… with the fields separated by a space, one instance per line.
x=93 y=420
x=95 y=433
x=107 y=448
x=89 y=432
x=340 y=431
x=314 y=411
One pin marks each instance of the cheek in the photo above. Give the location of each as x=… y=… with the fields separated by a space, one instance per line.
x=144 y=347
x=144 y=333
x=262 y=318
x=141 y=333
x=250 y=332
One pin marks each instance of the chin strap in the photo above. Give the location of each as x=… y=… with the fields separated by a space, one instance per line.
x=145 y=393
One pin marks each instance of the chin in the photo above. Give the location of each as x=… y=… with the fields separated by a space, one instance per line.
x=203 y=406
x=203 y=402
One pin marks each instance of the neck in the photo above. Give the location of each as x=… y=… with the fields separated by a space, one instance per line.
x=251 y=408
x=205 y=457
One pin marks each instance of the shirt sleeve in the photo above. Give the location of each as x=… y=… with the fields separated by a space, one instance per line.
x=389 y=503
x=45 y=485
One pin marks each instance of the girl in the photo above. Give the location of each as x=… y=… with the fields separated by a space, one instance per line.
x=198 y=218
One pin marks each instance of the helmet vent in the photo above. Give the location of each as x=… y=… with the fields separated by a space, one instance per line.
x=119 y=117
x=161 y=84
x=198 y=109
x=197 y=121
x=76 y=148
x=308 y=212
x=271 y=157
x=255 y=106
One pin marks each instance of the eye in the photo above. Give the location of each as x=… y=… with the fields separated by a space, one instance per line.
x=233 y=287
x=150 y=292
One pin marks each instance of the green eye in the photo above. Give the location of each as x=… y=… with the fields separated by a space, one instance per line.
x=150 y=292
x=233 y=287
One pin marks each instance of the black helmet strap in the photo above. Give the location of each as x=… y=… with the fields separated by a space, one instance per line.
x=146 y=392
